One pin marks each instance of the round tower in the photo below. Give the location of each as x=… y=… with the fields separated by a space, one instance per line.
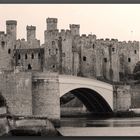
x=74 y=29
x=31 y=32
x=51 y=23
x=11 y=28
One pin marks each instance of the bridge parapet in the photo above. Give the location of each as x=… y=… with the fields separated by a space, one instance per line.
x=44 y=75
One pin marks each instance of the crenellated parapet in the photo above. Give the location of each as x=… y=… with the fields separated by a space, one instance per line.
x=87 y=40
x=75 y=29
x=11 y=22
x=21 y=43
x=65 y=34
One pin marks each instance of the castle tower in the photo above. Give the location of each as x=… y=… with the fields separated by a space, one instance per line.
x=31 y=33
x=51 y=23
x=11 y=29
x=74 y=29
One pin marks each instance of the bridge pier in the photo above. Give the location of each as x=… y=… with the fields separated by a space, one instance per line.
x=45 y=96
x=122 y=98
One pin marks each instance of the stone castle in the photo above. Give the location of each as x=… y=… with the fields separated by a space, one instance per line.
x=67 y=52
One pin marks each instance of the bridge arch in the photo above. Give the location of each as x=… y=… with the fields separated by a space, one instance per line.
x=97 y=96
x=93 y=101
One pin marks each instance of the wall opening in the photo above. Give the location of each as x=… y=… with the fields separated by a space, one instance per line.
x=113 y=49
x=32 y=56
x=129 y=59
x=49 y=51
x=3 y=44
x=135 y=51
x=2 y=101
x=53 y=66
x=38 y=55
x=26 y=56
x=9 y=51
x=56 y=51
x=29 y=67
x=93 y=46
x=105 y=60
x=84 y=58
x=19 y=56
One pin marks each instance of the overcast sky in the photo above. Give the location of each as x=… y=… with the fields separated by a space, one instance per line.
x=121 y=21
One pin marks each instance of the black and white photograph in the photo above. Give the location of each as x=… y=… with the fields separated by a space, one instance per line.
x=70 y=70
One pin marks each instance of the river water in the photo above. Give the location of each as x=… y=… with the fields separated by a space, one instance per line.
x=88 y=126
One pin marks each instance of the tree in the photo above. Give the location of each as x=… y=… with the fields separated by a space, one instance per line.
x=136 y=71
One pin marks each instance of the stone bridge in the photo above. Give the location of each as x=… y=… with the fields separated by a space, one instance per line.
x=97 y=96
x=39 y=93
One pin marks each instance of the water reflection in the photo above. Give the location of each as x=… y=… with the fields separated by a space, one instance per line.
x=100 y=122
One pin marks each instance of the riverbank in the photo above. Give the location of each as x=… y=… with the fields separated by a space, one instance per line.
x=80 y=112
x=26 y=126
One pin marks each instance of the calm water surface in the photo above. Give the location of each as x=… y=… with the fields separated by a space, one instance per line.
x=100 y=122
x=87 y=126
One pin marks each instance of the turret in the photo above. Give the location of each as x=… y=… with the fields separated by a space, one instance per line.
x=31 y=33
x=11 y=28
x=74 y=29
x=51 y=23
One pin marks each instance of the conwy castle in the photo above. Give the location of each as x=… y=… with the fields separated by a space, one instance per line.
x=67 y=52
x=35 y=77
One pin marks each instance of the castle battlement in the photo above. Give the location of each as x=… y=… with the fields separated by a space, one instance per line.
x=51 y=20
x=21 y=43
x=128 y=43
x=83 y=35
x=11 y=22
x=74 y=26
x=87 y=38
x=65 y=33
x=107 y=39
x=31 y=27
x=133 y=42
x=90 y=36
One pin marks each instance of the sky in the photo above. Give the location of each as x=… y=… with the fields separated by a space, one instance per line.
x=119 y=21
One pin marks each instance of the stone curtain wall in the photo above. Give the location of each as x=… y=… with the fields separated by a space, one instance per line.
x=16 y=89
